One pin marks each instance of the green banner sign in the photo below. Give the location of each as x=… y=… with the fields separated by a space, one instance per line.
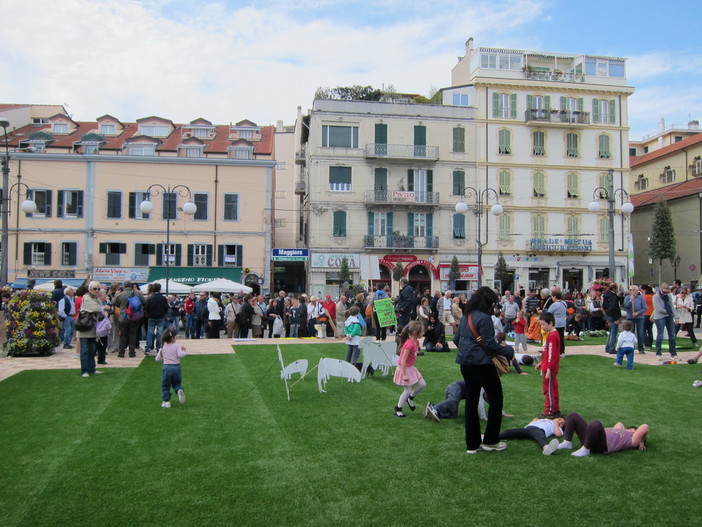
x=386 y=312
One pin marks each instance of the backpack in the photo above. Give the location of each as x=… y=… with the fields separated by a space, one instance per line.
x=135 y=310
x=369 y=309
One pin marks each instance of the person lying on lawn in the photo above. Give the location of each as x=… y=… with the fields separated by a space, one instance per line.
x=597 y=439
x=539 y=430
x=448 y=408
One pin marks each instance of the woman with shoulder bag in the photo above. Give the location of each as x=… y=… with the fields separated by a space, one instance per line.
x=90 y=307
x=475 y=339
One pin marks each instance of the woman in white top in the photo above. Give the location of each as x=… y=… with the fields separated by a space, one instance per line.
x=684 y=307
x=213 y=316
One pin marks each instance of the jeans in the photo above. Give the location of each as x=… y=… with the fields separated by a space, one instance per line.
x=170 y=377
x=668 y=324
x=629 y=352
x=352 y=353
x=87 y=355
x=294 y=330
x=448 y=409
x=612 y=338
x=640 y=331
x=154 y=328
x=67 y=330
x=528 y=432
x=190 y=326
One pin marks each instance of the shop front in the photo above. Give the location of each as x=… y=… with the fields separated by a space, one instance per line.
x=196 y=275
x=289 y=270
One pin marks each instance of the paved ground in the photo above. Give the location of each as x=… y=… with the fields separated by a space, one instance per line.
x=68 y=359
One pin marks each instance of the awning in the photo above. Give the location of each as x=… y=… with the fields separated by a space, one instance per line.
x=195 y=275
x=21 y=283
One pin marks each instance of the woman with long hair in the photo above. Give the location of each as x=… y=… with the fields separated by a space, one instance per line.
x=478 y=370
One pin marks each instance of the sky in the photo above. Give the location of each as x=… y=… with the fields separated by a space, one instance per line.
x=230 y=60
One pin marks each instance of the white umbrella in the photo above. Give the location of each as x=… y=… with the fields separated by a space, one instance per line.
x=174 y=288
x=223 y=286
x=48 y=286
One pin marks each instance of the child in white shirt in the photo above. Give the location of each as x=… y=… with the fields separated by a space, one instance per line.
x=626 y=344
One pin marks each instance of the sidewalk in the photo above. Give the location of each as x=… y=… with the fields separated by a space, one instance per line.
x=68 y=359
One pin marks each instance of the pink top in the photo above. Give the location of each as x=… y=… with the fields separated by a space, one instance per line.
x=618 y=439
x=170 y=353
x=412 y=347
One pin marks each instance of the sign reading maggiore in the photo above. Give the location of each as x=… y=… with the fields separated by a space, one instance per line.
x=290 y=255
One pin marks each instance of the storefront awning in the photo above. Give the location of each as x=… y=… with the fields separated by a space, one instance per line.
x=195 y=275
x=21 y=283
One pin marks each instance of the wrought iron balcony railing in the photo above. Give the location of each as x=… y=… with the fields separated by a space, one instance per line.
x=400 y=241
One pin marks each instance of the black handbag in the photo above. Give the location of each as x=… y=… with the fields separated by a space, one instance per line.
x=85 y=321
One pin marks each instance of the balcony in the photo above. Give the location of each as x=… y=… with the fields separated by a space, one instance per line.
x=561 y=118
x=553 y=76
x=414 y=152
x=400 y=241
x=401 y=197
x=300 y=188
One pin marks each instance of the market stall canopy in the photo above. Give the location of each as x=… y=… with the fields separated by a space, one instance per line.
x=223 y=286
x=174 y=288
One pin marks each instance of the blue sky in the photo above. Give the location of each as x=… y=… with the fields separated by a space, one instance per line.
x=230 y=60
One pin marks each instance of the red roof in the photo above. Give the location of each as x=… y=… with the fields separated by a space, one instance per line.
x=668 y=193
x=688 y=141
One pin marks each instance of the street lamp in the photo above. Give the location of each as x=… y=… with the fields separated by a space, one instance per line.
x=27 y=206
x=626 y=208
x=481 y=197
x=147 y=207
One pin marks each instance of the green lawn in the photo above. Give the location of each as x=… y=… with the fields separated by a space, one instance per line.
x=101 y=451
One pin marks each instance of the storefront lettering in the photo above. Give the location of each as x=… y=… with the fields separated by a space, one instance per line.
x=573 y=245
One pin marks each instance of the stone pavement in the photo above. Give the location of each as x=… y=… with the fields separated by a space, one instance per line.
x=68 y=359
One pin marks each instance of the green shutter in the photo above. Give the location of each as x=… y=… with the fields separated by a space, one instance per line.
x=191 y=255
x=513 y=106
x=420 y=135
x=547 y=103
x=458 y=182
x=410 y=180
x=430 y=224
x=381 y=179
x=430 y=181
x=388 y=219
x=370 y=223
x=410 y=224
x=495 y=105
x=459 y=139
x=530 y=102
x=564 y=105
x=381 y=133
x=595 y=111
x=612 y=111
x=339 y=223
x=581 y=104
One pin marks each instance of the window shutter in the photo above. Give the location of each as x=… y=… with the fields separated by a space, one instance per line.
x=381 y=133
x=388 y=220
x=208 y=255
x=612 y=111
x=102 y=248
x=459 y=139
x=495 y=104
x=513 y=105
x=420 y=135
x=530 y=102
x=371 y=217
x=178 y=254
x=59 y=204
x=132 y=205
x=458 y=182
x=47 y=254
x=191 y=255
x=410 y=180
x=220 y=255
x=547 y=103
x=564 y=105
x=430 y=181
x=410 y=224
x=122 y=248
x=595 y=110
x=459 y=226
x=27 y=254
x=381 y=179
x=430 y=224
x=239 y=255
x=72 y=253
x=159 y=254
x=581 y=104
x=79 y=208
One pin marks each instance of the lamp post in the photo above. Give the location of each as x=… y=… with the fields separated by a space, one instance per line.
x=147 y=207
x=27 y=206
x=626 y=208
x=481 y=198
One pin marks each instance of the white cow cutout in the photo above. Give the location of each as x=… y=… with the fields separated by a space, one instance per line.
x=286 y=372
x=380 y=354
x=335 y=368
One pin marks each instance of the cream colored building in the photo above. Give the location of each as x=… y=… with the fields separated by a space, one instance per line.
x=88 y=180
x=666 y=135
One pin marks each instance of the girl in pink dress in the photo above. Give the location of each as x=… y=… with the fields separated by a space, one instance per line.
x=406 y=374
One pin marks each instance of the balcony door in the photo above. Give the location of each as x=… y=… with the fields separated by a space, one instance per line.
x=421 y=183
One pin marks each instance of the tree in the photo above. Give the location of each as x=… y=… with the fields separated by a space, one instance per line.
x=501 y=271
x=398 y=272
x=344 y=273
x=454 y=273
x=349 y=93
x=662 y=243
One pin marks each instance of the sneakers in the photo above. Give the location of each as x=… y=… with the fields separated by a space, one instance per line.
x=473 y=451
x=166 y=404
x=98 y=372
x=551 y=447
x=181 y=396
x=85 y=375
x=616 y=364
x=697 y=384
x=497 y=447
x=430 y=411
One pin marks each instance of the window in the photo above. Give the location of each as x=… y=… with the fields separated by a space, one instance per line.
x=668 y=175
x=604 y=67
x=419 y=224
x=340 y=179
x=142 y=149
x=459 y=139
x=538 y=106
x=200 y=255
x=167 y=252
x=201 y=132
x=108 y=129
x=538 y=225
x=142 y=252
x=573 y=185
x=539 y=185
x=136 y=199
x=341 y=136
x=460 y=99
x=154 y=130
x=280 y=222
x=504 y=105
x=37 y=253
x=42 y=198
x=246 y=134
x=231 y=207
x=572 y=144
x=339 y=228
x=502 y=61
x=112 y=252
x=603 y=184
x=192 y=150
x=169 y=206
x=459 y=226
x=70 y=204
x=420 y=141
x=37 y=146
x=380 y=223
x=505 y=142
x=603 y=229
x=280 y=194
x=697 y=167
x=603 y=151
x=573 y=225
x=60 y=128
x=243 y=152
x=459 y=183
x=114 y=204
x=90 y=148
x=505 y=227
x=69 y=252
x=538 y=147
x=230 y=255
x=505 y=183
x=201 y=201
x=641 y=183
x=604 y=111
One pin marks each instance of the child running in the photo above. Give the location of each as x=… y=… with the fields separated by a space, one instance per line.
x=626 y=344
x=170 y=354
x=550 y=359
x=352 y=335
x=406 y=374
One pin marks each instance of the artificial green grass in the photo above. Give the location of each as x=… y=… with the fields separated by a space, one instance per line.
x=101 y=451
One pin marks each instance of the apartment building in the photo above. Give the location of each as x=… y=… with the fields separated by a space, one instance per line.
x=666 y=135
x=89 y=179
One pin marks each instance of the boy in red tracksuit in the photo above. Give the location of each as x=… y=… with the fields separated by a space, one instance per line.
x=550 y=359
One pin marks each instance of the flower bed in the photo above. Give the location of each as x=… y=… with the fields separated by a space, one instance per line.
x=32 y=324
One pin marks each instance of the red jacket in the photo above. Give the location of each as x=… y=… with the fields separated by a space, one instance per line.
x=330 y=306
x=551 y=354
x=189 y=305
